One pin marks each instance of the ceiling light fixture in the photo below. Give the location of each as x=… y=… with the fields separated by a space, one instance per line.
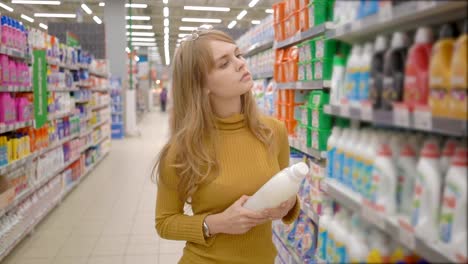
x=253 y=3
x=139 y=27
x=25 y=17
x=187 y=28
x=182 y=35
x=102 y=4
x=137 y=17
x=165 y=2
x=207 y=8
x=166 y=22
x=201 y=20
x=166 y=31
x=269 y=11
x=146 y=44
x=55 y=15
x=28 y=2
x=255 y=22
x=6 y=7
x=97 y=20
x=136 y=5
x=143 y=39
x=44 y=26
x=232 y=24
x=166 y=11
x=241 y=14
x=141 y=34
x=166 y=55
x=86 y=9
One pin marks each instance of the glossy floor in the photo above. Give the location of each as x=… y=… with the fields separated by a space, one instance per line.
x=109 y=217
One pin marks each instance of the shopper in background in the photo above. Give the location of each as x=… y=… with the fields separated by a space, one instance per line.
x=163 y=99
x=220 y=150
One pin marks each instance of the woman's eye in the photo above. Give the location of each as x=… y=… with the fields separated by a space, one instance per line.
x=239 y=55
x=225 y=64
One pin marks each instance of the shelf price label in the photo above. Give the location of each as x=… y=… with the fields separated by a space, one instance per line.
x=401 y=115
x=406 y=235
x=366 y=111
x=422 y=118
x=345 y=110
x=371 y=215
x=385 y=13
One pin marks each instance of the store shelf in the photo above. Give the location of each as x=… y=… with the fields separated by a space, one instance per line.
x=291 y=250
x=307 y=151
x=16 y=164
x=388 y=224
x=13 y=53
x=59 y=115
x=83 y=66
x=58 y=144
x=306 y=85
x=7 y=128
x=82 y=101
x=99 y=106
x=99 y=74
x=262 y=76
x=15 y=88
x=117 y=113
x=83 y=84
x=445 y=126
x=400 y=18
x=301 y=36
x=310 y=212
x=103 y=90
x=86 y=173
x=93 y=127
x=257 y=48
x=58 y=63
x=64 y=90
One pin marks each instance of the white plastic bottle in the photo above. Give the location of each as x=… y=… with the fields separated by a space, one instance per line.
x=339 y=156
x=406 y=169
x=379 y=247
x=339 y=228
x=324 y=226
x=368 y=164
x=352 y=74
x=385 y=177
x=454 y=204
x=279 y=188
x=447 y=152
x=337 y=91
x=359 y=149
x=364 y=77
x=349 y=158
x=357 y=245
x=331 y=150
x=426 y=198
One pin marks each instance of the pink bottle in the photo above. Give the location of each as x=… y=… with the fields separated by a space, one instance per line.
x=24 y=109
x=4 y=61
x=7 y=109
x=13 y=72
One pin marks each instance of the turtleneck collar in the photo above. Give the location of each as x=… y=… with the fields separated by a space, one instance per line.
x=234 y=122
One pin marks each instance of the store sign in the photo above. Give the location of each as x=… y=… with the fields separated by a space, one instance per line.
x=72 y=40
x=40 y=87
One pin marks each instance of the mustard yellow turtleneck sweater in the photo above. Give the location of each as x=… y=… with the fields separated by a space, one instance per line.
x=245 y=166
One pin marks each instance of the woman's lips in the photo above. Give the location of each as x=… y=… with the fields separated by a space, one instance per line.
x=245 y=77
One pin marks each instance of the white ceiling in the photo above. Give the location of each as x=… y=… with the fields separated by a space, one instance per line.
x=155 y=11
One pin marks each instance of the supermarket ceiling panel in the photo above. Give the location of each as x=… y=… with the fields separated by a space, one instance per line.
x=180 y=15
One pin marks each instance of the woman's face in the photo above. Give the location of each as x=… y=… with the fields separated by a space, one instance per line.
x=230 y=77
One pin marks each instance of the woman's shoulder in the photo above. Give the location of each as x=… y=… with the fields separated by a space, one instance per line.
x=272 y=122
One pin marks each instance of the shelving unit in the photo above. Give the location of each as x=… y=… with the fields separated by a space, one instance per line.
x=257 y=48
x=306 y=85
x=12 y=127
x=301 y=36
x=12 y=88
x=16 y=164
x=310 y=152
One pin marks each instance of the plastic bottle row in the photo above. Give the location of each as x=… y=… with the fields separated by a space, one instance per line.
x=260 y=64
x=13 y=34
x=420 y=178
x=14 y=72
x=349 y=11
x=257 y=34
x=16 y=107
x=424 y=74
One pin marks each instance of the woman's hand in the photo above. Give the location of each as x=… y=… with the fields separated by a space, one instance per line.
x=282 y=210
x=235 y=220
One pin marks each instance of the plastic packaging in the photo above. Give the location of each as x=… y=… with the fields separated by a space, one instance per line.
x=337 y=91
x=377 y=69
x=385 y=177
x=458 y=100
x=353 y=74
x=364 y=77
x=331 y=150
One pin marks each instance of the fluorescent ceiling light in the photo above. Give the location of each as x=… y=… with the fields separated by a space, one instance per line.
x=97 y=20
x=137 y=17
x=207 y=8
x=232 y=24
x=241 y=14
x=166 y=30
x=182 y=35
x=166 y=55
x=187 y=28
x=27 y=2
x=166 y=11
x=136 y=5
x=55 y=15
x=143 y=39
x=165 y=1
x=102 y=4
x=146 y=44
x=201 y=20
x=269 y=11
x=25 y=17
x=44 y=26
x=255 y=22
x=253 y=3
x=86 y=9
x=6 y=7
x=166 y=22
x=141 y=34
x=139 y=27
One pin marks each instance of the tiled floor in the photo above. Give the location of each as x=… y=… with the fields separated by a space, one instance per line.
x=109 y=217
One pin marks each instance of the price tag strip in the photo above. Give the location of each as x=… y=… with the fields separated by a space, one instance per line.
x=422 y=119
x=401 y=115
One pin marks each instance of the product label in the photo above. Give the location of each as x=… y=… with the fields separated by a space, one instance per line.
x=347 y=170
x=339 y=160
x=322 y=243
x=340 y=253
x=449 y=204
x=417 y=196
x=318 y=70
x=364 y=85
x=377 y=175
x=315 y=140
x=357 y=179
x=330 y=254
x=367 y=179
x=300 y=74
x=319 y=49
x=330 y=162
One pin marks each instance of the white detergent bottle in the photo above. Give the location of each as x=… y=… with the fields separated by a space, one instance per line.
x=385 y=178
x=279 y=188
x=349 y=158
x=454 y=203
x=368 y=164
x=357 y=246
x=331 y=150
x=376 y=142
x=426 y=198
x=406 y=169
x=379 y=247
x=359 y=150
x=447 y=152
x=340 y=235
x=365 y=65
x=340 y=155
x=324 y=226
x=352 y=74
x=332 y=235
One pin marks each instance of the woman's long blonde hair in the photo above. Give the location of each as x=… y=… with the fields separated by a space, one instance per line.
x=192 y=121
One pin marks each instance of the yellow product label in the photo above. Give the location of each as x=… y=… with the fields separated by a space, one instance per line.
x=374 y=257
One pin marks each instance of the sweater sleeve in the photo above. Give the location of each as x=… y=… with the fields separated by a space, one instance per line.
x=171 y=222
x=283 y=160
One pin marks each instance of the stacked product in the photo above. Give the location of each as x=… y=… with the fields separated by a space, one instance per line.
x=260 y=64
x=259 y=34
x=117 y=108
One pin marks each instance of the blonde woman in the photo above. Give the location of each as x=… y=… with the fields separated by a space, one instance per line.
x=220 y=151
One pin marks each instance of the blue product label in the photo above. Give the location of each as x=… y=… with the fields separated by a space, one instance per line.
x=322 y=243
x=364 y=85
x=347 y=170
x=339 y=160
x=349 y=85
x=330 y=249
x=330 y=162
x=452 y=195
x=357 y=179
x=356 y=92
x=367 y=179
x=340 y=253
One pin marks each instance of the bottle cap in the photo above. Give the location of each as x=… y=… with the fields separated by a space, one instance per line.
x=424 y=35
x=448 y=31
x=399 y=40
x=380 y=43
x=385 y=150
x=339 y=60
x=368 y=48
x=407 y=151
x=461 y=157
x=300 y=170
x=449 y=148
x=430 y=150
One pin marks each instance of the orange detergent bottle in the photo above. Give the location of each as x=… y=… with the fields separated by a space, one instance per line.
x=459 y=81
x=439 y=71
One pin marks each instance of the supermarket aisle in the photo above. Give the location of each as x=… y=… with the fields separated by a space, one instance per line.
x=108 y=219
